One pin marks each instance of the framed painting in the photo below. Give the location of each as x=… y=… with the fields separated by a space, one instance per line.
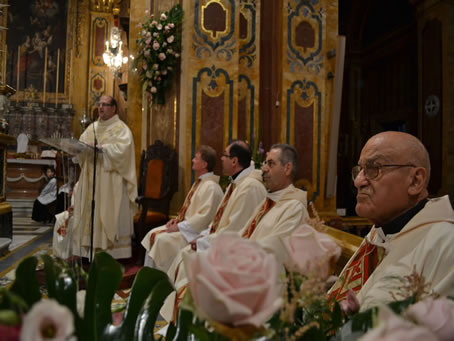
x=39 y=50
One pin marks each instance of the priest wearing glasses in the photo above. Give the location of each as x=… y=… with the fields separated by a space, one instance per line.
x=116 y=186
x=410 y=232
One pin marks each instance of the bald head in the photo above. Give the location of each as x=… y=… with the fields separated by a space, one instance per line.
x=402 y=148
x=394 y=171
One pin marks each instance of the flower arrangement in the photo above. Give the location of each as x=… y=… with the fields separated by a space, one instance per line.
x=237 y=291
x=159 y=48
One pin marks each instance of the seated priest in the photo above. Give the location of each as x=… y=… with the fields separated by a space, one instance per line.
x=410 y=232
x=279 y=214
x=242 y=196
x=199 y=207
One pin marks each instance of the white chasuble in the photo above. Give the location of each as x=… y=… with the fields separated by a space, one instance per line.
x=115 y=192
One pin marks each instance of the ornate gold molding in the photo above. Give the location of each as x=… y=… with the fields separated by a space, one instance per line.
x=105 y=6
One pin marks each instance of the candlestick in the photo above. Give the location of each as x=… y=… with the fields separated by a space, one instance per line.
x=58 y=74
x=18 y=71
x=45 y=76
x=5 y=53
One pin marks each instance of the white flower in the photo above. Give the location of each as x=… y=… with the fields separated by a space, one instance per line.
x=164 y=72
x=156 y=46
x=155 y=34
x=146 y=53
x=169 y=51
x=47 y=320
x=154 y=23
x=170 y=39
x=169 y=68
x=154 y=90
x=155 y=66
x=177 y=55
x=148 y=74
x=143 y=33
x=163 y=16
x=159 y=27
x=80 y=300
x=172 y=25
x=162 y=56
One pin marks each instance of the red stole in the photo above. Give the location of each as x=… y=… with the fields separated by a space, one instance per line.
x=220 y=212
x=366 y=260
x=187 y=201
x=267 y=205
x=182 y=213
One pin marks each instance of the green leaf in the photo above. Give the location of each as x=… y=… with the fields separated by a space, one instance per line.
x=144 y=286
x=146 y=320
x=26 y=284
x=363 y=321
x=184 y=320
x=103 y=280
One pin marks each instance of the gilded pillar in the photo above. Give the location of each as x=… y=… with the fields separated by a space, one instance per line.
x=309 y=31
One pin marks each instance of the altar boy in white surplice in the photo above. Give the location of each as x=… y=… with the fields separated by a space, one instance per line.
x=163 y=243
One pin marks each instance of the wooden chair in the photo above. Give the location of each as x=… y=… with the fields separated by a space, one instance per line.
x=158 y=181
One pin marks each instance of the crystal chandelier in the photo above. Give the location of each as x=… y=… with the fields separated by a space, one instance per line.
x=113 y=54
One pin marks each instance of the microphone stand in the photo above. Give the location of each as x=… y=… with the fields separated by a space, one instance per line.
x=95 y=156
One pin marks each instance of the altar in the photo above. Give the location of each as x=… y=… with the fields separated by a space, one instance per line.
x=25 y=177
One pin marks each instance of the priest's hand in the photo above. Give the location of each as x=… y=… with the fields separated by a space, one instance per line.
x=172 y=226
x=193 y=243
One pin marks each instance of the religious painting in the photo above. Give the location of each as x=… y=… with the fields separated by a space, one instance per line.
x=37 y=49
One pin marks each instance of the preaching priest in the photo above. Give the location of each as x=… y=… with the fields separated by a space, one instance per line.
x=116 y=186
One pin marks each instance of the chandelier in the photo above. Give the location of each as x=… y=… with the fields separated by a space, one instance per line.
x=113 y=54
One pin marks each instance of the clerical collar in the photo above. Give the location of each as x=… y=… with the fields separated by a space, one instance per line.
x=234 y=176
x=204 y=175
x=276 y=195
x=398 y=224
x=241 y=173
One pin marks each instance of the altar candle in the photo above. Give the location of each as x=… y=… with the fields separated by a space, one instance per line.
x=5 y=53
x=45 y=77
x=58 y=73
x=18 y=70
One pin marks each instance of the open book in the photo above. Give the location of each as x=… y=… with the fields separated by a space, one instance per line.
x=71 y=146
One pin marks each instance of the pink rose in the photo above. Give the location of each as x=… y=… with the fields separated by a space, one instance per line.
x=156 y=46
x=155 y=66
x=392 y=327
x=163 y=16
x=153 y=90
x=437 y=315
x=350 y=305
x=170 y=39
x=159 y=27
x=162 y=56
x=311 y=252
x=234 y=282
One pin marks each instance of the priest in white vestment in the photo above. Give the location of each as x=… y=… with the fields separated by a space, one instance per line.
x=116 y=186
x=164 y=242
x=278 y=215
x=410 y=232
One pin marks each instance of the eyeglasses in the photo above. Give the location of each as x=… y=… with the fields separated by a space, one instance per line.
x=104 y=104
x=372 y=171
x=227 y=155
x=270 y=163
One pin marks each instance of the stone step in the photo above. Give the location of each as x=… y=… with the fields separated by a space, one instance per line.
x=4 y=245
